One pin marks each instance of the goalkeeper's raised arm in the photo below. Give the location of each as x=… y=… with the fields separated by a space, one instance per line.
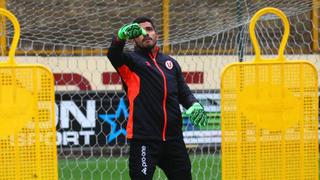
x=115 y=53
x=155 y=87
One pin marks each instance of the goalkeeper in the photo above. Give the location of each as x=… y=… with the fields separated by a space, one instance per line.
x=155 y=87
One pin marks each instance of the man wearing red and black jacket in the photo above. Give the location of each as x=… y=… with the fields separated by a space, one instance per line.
x=155 y=87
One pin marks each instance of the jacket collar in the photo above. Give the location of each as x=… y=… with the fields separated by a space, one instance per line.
x=148 y=52
x=154 y=54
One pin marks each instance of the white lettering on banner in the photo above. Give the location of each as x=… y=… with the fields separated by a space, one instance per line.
x=144 y=160
x=86 y=135
x=59 y=138
x=67 y=107
x=72 y=137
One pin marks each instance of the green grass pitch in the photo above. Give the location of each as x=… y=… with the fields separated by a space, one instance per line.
x=203 y=167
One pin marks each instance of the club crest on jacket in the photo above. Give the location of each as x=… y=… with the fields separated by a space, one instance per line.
x=169 y=64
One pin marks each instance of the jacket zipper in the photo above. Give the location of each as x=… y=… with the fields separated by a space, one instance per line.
x=164 y=97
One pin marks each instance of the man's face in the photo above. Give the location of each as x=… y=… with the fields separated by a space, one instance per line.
x=148 y=41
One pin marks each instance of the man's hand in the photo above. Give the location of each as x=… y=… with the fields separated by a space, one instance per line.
x=197 y=115
x=130 y=31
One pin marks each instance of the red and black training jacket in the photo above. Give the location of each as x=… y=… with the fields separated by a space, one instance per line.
x=155 y=87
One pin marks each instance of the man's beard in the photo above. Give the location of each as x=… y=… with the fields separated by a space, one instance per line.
x=147 y=47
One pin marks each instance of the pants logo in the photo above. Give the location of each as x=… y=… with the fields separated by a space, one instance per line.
x=144 y=160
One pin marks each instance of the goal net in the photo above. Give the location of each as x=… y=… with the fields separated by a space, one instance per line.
x=72 y=38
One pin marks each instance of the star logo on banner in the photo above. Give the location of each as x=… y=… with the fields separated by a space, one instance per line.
x=111 y=118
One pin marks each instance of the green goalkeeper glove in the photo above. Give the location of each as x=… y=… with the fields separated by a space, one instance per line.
x=197 y=115
x=130 y=31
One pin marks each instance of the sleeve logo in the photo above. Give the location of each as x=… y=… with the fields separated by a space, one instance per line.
x=169 y=64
